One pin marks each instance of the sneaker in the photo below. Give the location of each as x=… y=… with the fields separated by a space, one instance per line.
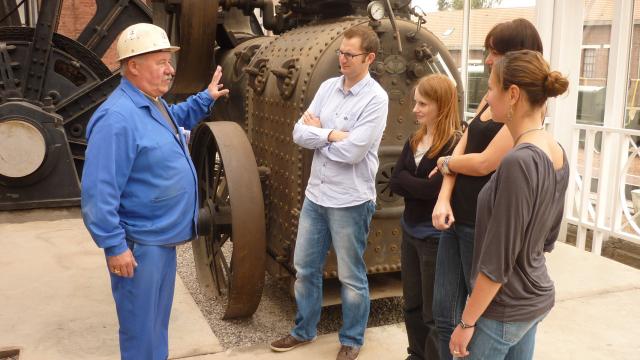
x=348 y=353
x=288 y=343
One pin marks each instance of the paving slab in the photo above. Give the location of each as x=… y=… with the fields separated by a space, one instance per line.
x=56 y=300
x=596 y=312
x=595 y=317
x=56 y=304
x=578 y=273
x=383 y=342
x=599 y=327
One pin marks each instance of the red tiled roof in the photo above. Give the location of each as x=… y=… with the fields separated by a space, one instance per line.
x=601 y=11
x=481 y=21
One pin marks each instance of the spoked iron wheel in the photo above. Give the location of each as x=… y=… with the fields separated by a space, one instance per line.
x=50 y=69
x=230 y=251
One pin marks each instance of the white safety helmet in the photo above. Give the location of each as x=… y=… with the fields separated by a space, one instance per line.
x=143 y=38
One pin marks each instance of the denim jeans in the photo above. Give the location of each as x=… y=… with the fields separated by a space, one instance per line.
x=503 y=340
x=452 y=285
x=418 y=275
x=347 y=230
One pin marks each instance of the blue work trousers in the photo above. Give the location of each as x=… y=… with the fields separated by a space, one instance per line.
x=144 y=301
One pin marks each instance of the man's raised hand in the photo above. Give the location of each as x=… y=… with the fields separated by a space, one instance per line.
x=215 y=89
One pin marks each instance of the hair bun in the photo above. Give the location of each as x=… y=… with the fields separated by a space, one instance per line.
x=555 y=84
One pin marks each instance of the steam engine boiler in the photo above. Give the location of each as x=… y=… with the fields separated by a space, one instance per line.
x=251 y=175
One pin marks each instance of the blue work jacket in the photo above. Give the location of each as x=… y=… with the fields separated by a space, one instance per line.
x=138 y=181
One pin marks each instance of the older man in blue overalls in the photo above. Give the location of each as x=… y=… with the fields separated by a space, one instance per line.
x=139 y=186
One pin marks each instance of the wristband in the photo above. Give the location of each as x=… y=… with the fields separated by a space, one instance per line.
x=445 y=166
x=464 y=325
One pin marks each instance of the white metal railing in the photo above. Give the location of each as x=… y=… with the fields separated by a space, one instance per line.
x=604 y=209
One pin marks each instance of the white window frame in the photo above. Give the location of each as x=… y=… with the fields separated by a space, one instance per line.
x=563 y=30
x=588 y=68
x=560 y=24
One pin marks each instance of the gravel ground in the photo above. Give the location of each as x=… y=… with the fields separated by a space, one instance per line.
x=275 y=313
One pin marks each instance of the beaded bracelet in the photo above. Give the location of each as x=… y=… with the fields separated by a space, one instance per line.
x=445 y=166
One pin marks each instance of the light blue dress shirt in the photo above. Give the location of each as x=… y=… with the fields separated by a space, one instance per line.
x=343 y=173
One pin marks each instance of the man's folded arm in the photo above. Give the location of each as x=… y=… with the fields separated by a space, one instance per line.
x=368 y=128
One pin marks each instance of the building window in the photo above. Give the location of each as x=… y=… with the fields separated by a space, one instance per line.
x=588 y=62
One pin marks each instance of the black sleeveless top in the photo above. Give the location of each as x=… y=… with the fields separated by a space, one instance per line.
x=467 y=188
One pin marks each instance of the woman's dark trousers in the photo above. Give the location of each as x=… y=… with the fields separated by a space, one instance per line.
x=418 y=276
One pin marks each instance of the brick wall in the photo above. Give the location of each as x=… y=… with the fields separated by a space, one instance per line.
x=599 y=35
x=75 y=16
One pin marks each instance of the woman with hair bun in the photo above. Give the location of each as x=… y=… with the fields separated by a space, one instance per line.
x=518 y=218
x=466 y=171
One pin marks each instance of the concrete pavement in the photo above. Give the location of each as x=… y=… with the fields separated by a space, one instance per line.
x=384 y=342
x=596 y=316
x=56 y=301
x=597 y=308
x=56 y=304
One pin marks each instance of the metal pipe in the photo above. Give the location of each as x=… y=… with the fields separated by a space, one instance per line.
x=396 y=31
x=268 y=13
x=31 y=15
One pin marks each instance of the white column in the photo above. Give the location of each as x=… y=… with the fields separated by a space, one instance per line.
x=464 y=53
x=566 y=40
x=613 y=155
x=544 y=24
x=618 y=71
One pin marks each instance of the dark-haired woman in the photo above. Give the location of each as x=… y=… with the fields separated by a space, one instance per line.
x=436 y=110
x=474 y=159
x=519 y=215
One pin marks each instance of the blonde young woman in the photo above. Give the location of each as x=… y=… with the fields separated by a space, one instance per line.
x=436 y=110
x=519 y=215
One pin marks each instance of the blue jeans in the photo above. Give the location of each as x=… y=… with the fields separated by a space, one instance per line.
x=347 y=230
x=452 y=284
x=144 y=301
x=503 y=340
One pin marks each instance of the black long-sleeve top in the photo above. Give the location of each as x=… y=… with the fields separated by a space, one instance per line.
x=411 y=182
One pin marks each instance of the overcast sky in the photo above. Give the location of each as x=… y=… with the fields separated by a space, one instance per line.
x=432 y=5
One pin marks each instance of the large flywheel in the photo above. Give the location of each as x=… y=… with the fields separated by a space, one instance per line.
x=49 y=87
x=230 y=251
x=192 y=24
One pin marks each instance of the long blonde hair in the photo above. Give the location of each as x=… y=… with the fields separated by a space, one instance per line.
x=440 y=89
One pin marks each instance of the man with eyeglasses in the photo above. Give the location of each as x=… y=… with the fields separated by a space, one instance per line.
x=344 y=126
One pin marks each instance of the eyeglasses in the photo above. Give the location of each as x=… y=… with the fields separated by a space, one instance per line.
x=349 y=56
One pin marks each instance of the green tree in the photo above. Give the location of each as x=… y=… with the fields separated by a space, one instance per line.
x=459 y=4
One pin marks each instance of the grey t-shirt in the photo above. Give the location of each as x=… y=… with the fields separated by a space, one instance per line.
x=164 y=112
x=518 y=219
